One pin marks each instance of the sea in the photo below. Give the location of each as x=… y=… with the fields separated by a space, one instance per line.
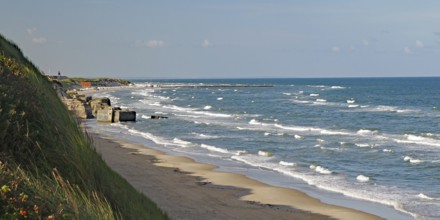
x=368 y=143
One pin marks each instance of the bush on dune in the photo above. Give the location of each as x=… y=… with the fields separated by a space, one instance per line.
x=48 y=160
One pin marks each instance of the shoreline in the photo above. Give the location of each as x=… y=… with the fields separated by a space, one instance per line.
x=217 y=193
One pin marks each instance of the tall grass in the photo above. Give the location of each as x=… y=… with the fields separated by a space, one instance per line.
x=41 y=140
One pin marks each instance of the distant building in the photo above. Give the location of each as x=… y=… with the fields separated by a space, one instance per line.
x=86 y=84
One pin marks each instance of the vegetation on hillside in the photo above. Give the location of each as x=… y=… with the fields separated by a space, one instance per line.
x=48 y=167
x=75 y=82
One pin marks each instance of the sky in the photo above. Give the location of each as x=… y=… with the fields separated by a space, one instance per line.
x=227 y=38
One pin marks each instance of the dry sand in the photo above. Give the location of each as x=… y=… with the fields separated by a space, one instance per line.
x=186 y=189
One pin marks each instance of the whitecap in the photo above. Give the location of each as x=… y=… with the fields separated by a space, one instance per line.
x=363 y=145
x=181 y=142
x=412 y=160
x=423 y=196
x=351 y=101
x=297 y=136
x=321 y=100
x=264 y=153
x=362 y=178
x=289 y=164
x=366 y=132
x=314 y=94
x=353 y=106
x=414 y=137
x=207 y=107
x=387 y=151
x=320 y=169
x=337 y=87
x=220 y=98
x=214 y=148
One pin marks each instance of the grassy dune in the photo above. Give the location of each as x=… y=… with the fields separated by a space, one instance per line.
x=49 y=169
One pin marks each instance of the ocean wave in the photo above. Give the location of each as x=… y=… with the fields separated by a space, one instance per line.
x=195 y=111
x=215 y=149
x=363 y=145
x=289 y=164
x=326 y=182
x=264 y=153
x=207 y=107
x=320 y=169
x=204 y=136
x=367 y=131
x=414 y=139
x=412 y=160
x=362 y=178
x=314 y=94
x=150 y=137
x=425 y=197
x=351 y=101
x=182 y=143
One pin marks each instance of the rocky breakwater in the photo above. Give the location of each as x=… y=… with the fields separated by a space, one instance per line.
x=78 y=104
x=104 y=112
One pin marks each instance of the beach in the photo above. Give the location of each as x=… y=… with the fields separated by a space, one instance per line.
x=185 y=189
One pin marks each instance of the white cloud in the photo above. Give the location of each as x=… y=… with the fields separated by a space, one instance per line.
x=39 y=40
x=30 y=31
x=150 y=43
x=407 y=50
x=336 y=49
x=419 y=44
x=155 y=43
x=206 y=44
x=365 y=42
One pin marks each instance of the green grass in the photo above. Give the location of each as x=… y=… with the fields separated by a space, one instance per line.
x=47 y=157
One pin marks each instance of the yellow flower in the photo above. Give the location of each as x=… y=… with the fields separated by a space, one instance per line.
x=6 y=188
x=23 y=197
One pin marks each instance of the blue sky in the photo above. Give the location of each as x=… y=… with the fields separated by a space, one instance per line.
x=227 y=38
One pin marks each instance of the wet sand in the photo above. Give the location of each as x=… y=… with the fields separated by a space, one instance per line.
x=186 y=189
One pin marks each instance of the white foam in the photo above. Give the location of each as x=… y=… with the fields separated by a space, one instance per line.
x=297 y=136
x=321 y=100
x=414 y=137
x=264 y=153
x=362 y=178
x=287 y=93
x=320 y=182
x=289 y=164
x=320 y=169
x=214 y=148
x=337 y=87
x=366 y=132
x=266 y=133
x=412 y=160
x=207 y=107
x=351 y=101
x=314 y=94
x=353 y=106
x=425 y=197
x=387 y=151
x=182 y=142
x=363 y=145
x=220 y=98
x=150 y=136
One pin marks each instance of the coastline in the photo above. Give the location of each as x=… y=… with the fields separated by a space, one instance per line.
x=179 y=184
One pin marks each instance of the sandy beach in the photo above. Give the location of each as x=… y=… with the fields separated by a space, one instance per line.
x=186 y=189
